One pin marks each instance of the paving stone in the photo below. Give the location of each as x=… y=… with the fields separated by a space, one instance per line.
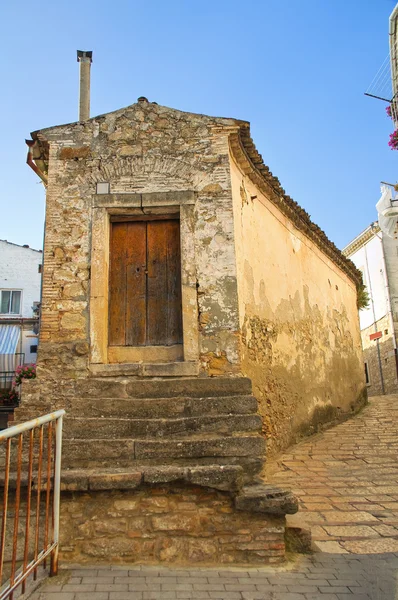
x=57 y=595
x=82 y=587
x=371 y=547
x=126 y=596
x=92 y=596
x=351 y=531
x=340 y=589
x=325 y=596
x=159 y=595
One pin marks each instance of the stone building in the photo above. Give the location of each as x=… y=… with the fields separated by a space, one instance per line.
x=376 y=255
x=176 y=272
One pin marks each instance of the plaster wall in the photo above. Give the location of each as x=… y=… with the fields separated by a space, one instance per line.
x=300 y=338
x=391 y=257
x=369 y=260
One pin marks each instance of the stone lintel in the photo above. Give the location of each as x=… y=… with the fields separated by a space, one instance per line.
x=149 y=199
x=172 y=369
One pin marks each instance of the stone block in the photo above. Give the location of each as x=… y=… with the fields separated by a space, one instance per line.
x=225 y=446
x=266 y=499
x=194 y=387
x=164 y=474
x=176 y=369
x=177 y=522
x=227 y=478
x=115 y=481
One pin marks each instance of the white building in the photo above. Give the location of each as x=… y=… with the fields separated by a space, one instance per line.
x=376 y=255
x=20 y=283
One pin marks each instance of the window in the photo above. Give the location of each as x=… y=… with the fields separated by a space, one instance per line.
x=33 y=349
x=10 y=302
x=367 y=377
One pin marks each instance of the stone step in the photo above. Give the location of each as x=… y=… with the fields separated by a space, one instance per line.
x=159 y=428
x=221 y=477
x=199 y=387
x=126 y=451
x=158 y=408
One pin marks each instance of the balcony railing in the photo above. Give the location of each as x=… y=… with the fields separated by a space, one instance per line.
x=30 y=454
x=6 y=377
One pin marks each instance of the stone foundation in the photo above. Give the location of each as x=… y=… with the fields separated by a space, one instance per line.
x=166 y=524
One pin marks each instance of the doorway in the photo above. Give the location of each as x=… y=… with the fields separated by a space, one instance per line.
x=145 y=306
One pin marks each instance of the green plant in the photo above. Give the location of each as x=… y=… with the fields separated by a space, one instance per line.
x=363 y=298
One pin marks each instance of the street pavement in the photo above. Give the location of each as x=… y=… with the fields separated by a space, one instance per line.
x=316 y=577
x=346 y=480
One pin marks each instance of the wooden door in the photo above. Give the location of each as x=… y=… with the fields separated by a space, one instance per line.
x=145 y=283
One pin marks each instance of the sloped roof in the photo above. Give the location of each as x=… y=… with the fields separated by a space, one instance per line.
x=252 y=164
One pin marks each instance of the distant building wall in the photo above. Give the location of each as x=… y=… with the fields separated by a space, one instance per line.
x=376 y=255
x=19 y=270
x=298 y=311
x=390 y=246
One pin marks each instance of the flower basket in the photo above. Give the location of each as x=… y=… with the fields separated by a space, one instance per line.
x=9 y=397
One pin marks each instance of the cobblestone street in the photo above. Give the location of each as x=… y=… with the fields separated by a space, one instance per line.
x=347 y=481
x=321 y=576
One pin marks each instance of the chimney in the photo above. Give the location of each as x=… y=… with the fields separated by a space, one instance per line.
x=85 y=58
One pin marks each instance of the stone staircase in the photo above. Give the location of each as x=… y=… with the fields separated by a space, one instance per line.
x=122 y=433
x=130 y=424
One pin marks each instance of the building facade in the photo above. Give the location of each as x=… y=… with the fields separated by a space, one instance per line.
x=179 y=282
x=376 y=256
x=20 y=283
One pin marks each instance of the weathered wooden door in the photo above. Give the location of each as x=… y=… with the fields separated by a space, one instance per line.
x=145 y=283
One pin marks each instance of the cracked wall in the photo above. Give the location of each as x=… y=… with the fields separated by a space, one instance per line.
x=300 y=337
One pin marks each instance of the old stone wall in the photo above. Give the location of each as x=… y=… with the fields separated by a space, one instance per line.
x=170 y=524
x=386 y=363
x=160 y=524
x=300 y=331
x=143 y=148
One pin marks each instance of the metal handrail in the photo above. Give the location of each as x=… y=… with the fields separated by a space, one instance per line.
x=53 y=472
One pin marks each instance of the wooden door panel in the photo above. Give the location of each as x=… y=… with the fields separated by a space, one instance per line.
x=157 y=283
x=117 y=286
x=136 y=284
x=164 y=283
x=145 y=307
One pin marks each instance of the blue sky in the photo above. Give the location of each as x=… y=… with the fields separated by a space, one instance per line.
x=296 y=69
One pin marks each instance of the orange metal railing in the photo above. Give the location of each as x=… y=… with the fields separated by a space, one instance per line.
x=31 y=457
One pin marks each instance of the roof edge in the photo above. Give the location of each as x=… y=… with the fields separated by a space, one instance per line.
x=361 y=239
x=22 y=246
